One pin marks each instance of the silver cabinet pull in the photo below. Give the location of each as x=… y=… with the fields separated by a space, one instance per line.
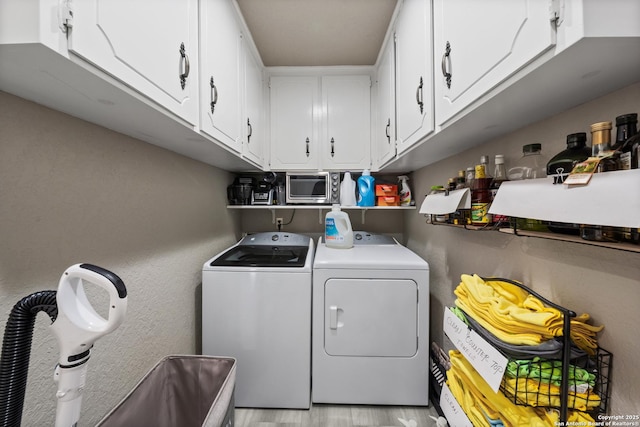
x=386 y=131
x=446 y=58
x=250 y=128
x=184 y=59
x=332 y=146
x=419 y=98
x=214 y=95
x=307 y=144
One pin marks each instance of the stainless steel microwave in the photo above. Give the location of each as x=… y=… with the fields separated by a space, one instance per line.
x=313 y=187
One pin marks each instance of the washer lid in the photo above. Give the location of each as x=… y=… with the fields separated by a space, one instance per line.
x=262 y=256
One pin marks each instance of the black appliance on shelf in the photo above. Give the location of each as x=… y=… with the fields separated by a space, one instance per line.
x=262 y=194
x=264 y=190
x=241 y=191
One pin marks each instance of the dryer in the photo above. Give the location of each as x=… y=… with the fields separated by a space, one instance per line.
x=256 y=307
x=370 y=330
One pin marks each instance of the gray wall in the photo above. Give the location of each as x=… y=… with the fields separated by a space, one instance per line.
x=74 y=192
x=602 y=282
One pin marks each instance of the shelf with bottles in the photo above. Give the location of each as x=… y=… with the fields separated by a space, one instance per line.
x=512 y=228
x=452 y=208
x=570 y=238
x=529 y=375
x=610 y=199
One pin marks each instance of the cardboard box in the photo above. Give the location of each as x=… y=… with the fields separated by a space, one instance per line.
x=386 y=190
x=388 y=201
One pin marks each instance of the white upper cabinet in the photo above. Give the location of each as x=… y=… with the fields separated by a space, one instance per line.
x=150 y=48
x=384 y=136
x=254 y=116
x=220 y=79
x=480 y=44
x=294 y=103
x=320 y=122
x=346 y=123
x=414 y=73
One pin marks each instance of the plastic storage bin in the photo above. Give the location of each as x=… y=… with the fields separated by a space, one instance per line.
x=180 y=391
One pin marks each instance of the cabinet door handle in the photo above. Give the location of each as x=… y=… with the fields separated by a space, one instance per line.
x=386 y=131
x=214 y=95
x=307 y=144
x=184 y=59
x=332 y=146
x=250 y=130
x=446 y=58
x=419 y=98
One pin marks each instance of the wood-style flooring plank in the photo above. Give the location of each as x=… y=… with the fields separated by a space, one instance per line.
x=337 y=416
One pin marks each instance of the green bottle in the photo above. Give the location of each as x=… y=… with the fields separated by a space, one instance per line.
x=561 y=165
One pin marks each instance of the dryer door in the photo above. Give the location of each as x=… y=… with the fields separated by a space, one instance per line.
x=371 y=317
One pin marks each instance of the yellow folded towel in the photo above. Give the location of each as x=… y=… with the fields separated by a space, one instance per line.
x=476 y=398
x=517 y=317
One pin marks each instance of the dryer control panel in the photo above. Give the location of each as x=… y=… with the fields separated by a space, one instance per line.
x=366 y=238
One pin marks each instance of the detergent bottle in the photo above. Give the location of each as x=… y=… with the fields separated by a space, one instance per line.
x=348 y=190
x=405 y=192
x=337 y=229
x=366 y=189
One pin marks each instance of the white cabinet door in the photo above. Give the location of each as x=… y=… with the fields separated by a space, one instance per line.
x=414 y=73
x=320 y=122
x=220 y=57
x=346 y=136
x=384 y=137
x=371 y=317
x=153 y=48
x=475 y=54
x=294 y=138
x=253 y=137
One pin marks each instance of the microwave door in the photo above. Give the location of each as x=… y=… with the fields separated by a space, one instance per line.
x=307 y=189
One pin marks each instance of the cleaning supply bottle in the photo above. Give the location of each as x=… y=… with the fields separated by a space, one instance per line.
x=348 y=190
x=366 y=189
x=405 y=192
x=337 y=229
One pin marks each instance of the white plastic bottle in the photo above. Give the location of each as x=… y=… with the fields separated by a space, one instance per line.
x=337 y=229
x=405 y=192
x=348 y=190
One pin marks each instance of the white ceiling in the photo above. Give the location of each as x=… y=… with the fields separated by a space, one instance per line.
x=318 y=32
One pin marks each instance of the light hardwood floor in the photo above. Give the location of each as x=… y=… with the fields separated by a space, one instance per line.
x=338 y=416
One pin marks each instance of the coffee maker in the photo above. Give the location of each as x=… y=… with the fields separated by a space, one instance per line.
x=241 y=191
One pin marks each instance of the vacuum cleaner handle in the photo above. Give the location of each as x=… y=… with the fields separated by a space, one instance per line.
x=77 y=327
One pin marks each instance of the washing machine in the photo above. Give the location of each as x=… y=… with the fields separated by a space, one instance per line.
x=370 y=326
x=256 y=307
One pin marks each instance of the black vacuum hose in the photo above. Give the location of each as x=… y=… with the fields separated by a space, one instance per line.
x=16 y=351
